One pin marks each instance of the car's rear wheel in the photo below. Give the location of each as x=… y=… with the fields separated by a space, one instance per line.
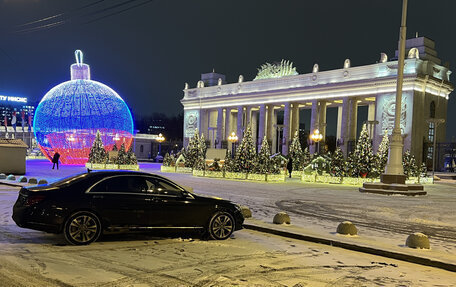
x=82 y=228
x=221 y=225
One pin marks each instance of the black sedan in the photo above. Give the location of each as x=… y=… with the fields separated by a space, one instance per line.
x=84 y=205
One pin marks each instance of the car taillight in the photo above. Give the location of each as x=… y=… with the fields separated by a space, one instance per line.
x=33 y=199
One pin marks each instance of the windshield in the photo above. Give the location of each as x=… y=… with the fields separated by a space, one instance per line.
x=70 y=179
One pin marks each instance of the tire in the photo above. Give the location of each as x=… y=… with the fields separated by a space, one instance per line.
x=82 y=228
x=221 y=226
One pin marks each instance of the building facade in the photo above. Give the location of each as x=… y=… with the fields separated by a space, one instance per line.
x=217 y=109
x=16 y=116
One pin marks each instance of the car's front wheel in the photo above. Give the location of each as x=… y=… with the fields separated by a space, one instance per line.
x=221 y=225
x=82 y=228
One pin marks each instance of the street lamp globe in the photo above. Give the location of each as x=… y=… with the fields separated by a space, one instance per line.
x=316 y=137
x=233 y=138
x=160 y=139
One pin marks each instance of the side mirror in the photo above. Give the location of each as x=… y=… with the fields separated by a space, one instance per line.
x=186 y=194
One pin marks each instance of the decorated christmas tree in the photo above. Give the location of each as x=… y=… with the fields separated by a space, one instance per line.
x=202 y=147
x=200 y=164
x=246 y=153
x=229 y=163
x=263 y=161
x=122 y=156
x=296 y=153
x=193 y=152
x=409 y=164
x=167 y=160
x=306 y=157
x=97 y=152
x=131 y=157
x=382 y=153
x=423 y=170
x=362 y=162
x=337 y=165
x=277 y=163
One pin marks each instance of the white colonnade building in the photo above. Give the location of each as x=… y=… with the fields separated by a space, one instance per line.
x=217 y=109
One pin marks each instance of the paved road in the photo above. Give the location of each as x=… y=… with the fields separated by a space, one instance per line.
x=32 y=258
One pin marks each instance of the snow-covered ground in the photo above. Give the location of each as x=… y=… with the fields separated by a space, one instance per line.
x=249 y=258
x=385 y=221
x=32 y=258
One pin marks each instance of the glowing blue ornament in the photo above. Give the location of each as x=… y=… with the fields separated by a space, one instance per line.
x=68 y=117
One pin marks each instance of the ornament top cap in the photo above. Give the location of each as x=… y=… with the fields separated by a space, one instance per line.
x=79 y=71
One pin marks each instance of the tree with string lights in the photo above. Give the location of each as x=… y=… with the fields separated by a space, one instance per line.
x=246 y=153
x=296 y=153
x=97 y=152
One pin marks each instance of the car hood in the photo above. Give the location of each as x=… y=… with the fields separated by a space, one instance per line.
x=213 y=199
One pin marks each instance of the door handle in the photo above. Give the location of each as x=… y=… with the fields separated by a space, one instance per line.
x=97 y=196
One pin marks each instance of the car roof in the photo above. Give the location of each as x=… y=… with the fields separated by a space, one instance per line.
x=118 y=172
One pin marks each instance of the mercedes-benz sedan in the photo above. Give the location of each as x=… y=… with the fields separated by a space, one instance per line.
x=84 y=205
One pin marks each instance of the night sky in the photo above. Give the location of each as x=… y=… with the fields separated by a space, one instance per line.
x=146 y=50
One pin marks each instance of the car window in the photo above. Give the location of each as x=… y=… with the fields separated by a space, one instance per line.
x=165 y=188
x=132 y=184
x=70 y=179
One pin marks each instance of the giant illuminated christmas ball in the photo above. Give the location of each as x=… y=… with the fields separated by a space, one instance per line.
x=68 y=117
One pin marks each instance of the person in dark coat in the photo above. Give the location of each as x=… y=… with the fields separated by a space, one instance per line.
x=55 y=160
x=290 y=166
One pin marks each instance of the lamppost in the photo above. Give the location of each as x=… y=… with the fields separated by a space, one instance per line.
x=436 y=123
x=317 y=137
x=394 y=170
x=160 y=139
x=233 y=138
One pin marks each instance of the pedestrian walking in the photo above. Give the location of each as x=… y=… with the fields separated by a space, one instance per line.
x=55 y=160
x=290 y=166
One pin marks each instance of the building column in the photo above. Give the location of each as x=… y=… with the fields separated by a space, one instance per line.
x=349 y=122
x=254 y=126
x=248 y=117
x=313 y=124
x=274 y=131
x=322 y=120
x=294 y=119
x=262 y=122
x=339 y=123
x=219 y=135
x=370 y=119
x=227 y=123
x=286 y=128
x=203 y=122
x=240 y=117
x=353 y=119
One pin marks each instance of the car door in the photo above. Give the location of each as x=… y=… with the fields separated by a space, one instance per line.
x=122 y=200
x=177 y=210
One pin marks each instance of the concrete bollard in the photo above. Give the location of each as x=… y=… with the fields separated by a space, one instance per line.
x=11 y=177
x=33 y=180
x=418 y=240
x=281 y=218
x=42 y=181
x=245 y=210
x=347 y=228
x=22 y=179
x=2 y=176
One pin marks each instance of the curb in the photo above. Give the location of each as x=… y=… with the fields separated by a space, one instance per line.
x=358 y=248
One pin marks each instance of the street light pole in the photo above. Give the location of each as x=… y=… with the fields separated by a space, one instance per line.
x=233 y=138
x=317 y=137
x=394 y=168
x=160 y=139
